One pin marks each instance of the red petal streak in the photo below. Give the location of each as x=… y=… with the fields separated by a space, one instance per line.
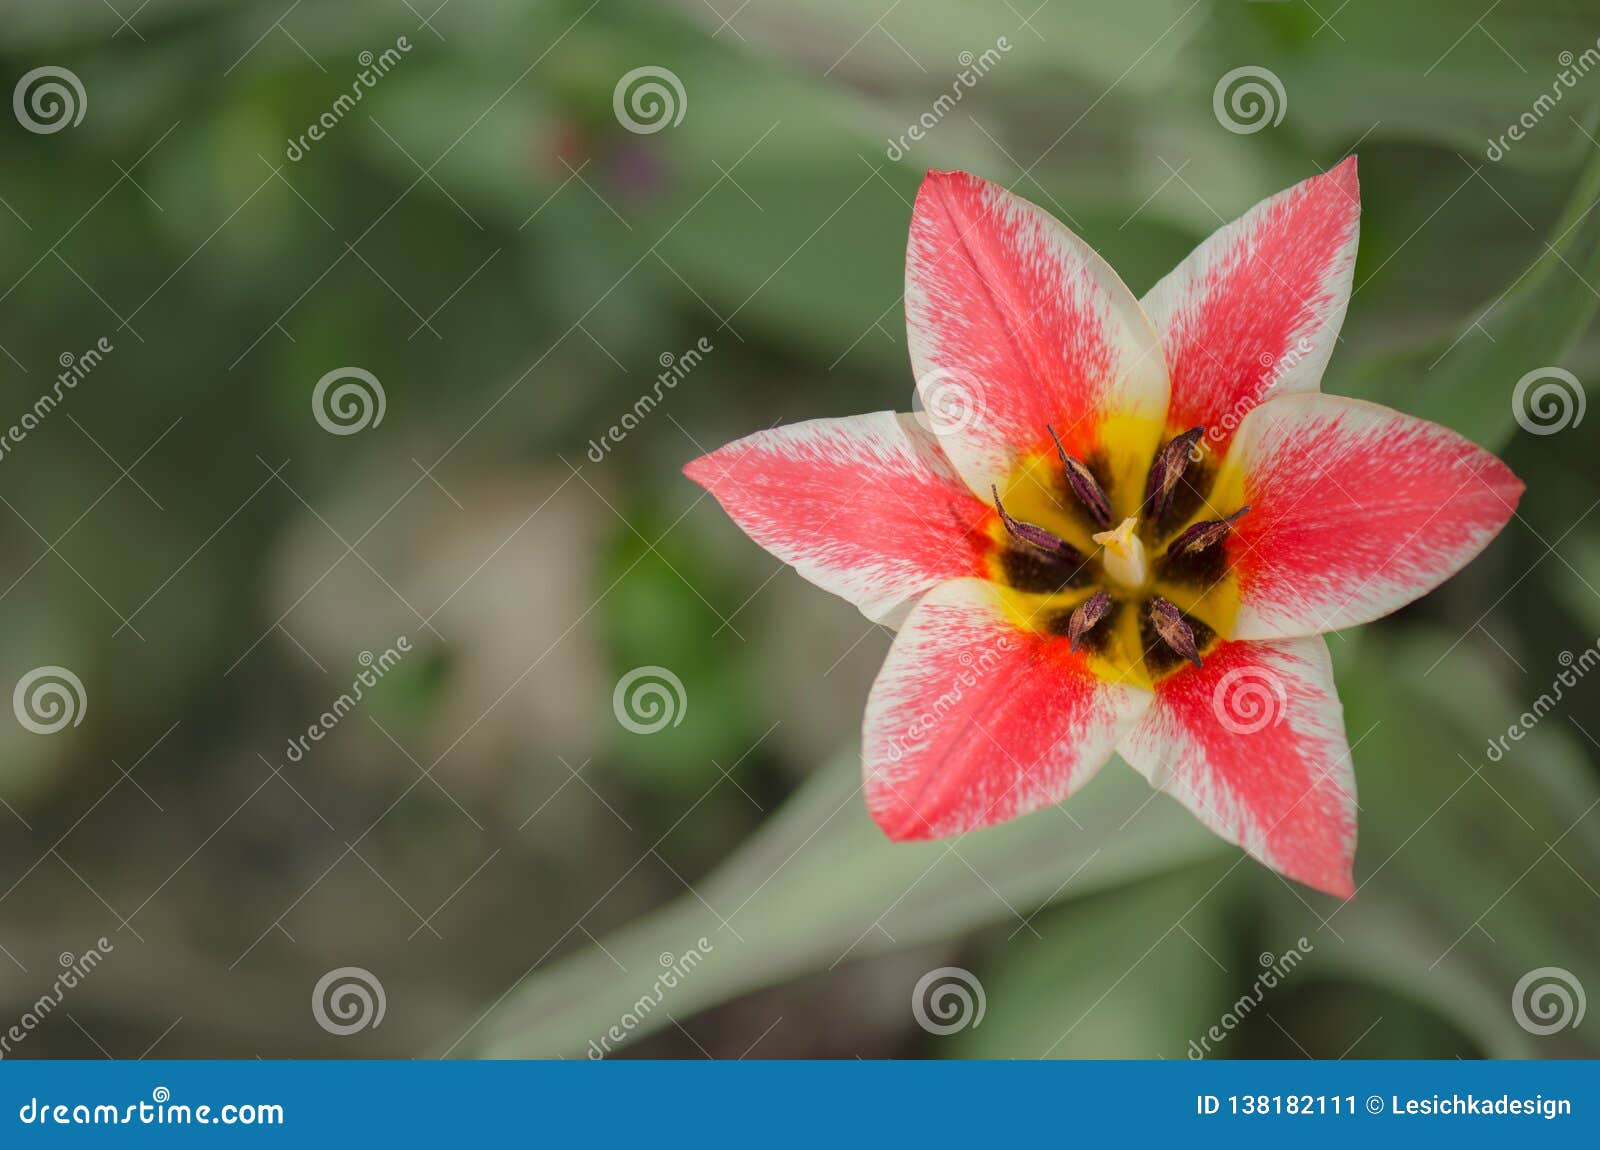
x=1356 y=510
x=866 y=507
x=973 y=721
x=1253 y=743
x=1254 y=311
x=1015 y=324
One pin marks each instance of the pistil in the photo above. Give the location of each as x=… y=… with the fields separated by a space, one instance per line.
x=1123 y=555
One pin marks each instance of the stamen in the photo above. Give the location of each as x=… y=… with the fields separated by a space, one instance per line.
x=1083 y=483
x=1167 y=469
x=1172 y=628
x=1086 y=615
x=1199 y=536
x=1028 y=533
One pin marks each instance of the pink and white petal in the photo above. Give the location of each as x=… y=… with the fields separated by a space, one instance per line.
x=1015 y=324
x=866 y=507
x=1255 y=310
x=1253 y=743
x=1355 y=511
x=974 y=720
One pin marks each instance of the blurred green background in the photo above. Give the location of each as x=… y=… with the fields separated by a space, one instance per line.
x=480 y=833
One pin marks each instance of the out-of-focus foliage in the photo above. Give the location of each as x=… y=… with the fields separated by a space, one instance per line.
x=482 y=235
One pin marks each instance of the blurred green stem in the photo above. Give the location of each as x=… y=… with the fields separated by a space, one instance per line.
x=819 y=884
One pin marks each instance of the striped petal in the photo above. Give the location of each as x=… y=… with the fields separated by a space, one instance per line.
x=1255 y=310
x=974 y=720
x=1355 y=511
x=1253 y=743
x=1016 y=325
x=866 y=507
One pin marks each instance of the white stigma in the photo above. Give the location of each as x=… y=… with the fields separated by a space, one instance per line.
x=1122 y=554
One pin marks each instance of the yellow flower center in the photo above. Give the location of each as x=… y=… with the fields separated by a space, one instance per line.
x=1134 y=569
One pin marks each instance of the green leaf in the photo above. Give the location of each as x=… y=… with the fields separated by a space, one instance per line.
x=819 y=885
x=1475 y=867
x=1135 y=973
x=1467 y=382
x=1425 y=70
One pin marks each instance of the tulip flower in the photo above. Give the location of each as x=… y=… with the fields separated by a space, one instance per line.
x=1120 y=526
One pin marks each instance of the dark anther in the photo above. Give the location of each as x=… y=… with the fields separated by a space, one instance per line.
x=1174 y=631
x=1028 y=533
x=1202 y=535
x=1087 y=614
x=1083 y=483
x=1167 y=470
